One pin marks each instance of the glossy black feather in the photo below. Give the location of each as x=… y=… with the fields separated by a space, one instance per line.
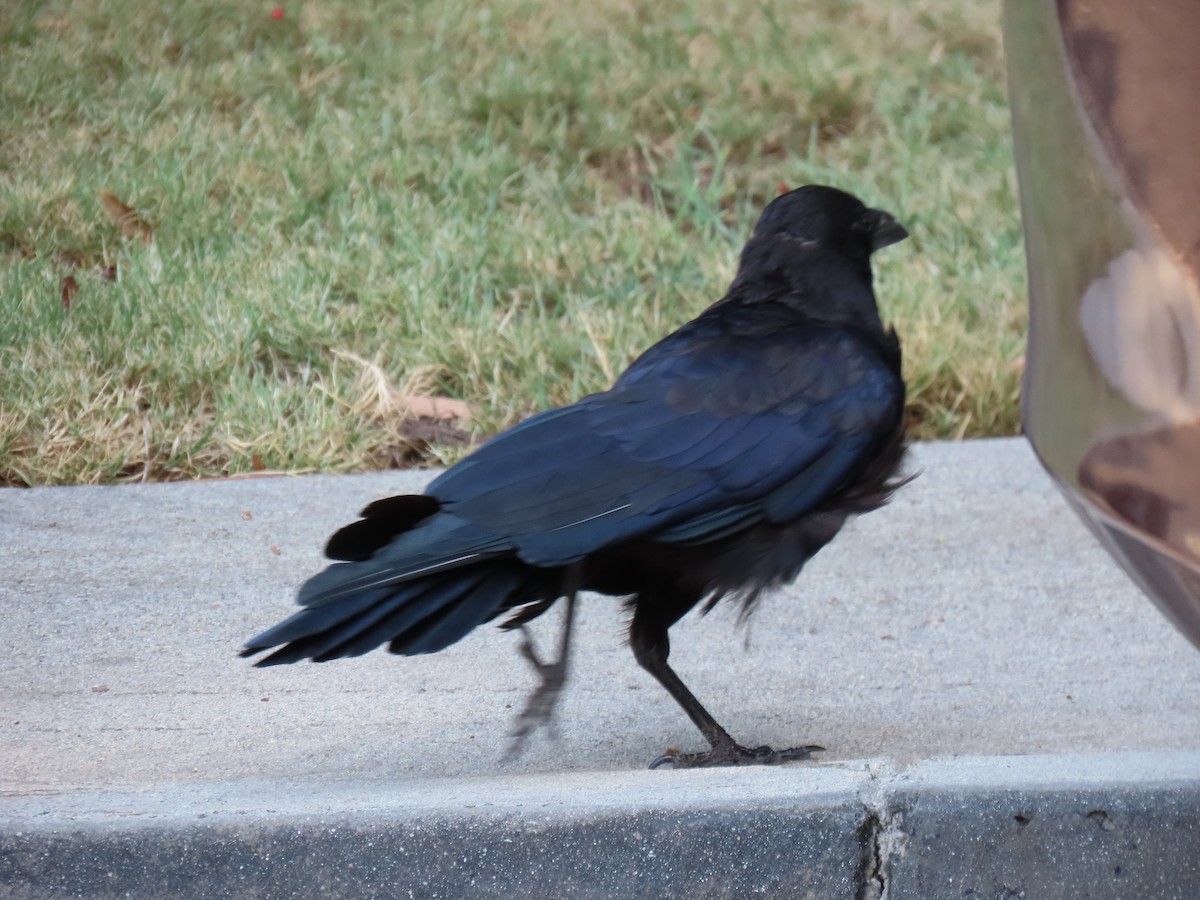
x=381 y=521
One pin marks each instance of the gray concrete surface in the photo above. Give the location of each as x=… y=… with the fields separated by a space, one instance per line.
x=1003 y=712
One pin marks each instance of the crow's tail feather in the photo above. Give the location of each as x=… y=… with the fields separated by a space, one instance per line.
x=419 y=616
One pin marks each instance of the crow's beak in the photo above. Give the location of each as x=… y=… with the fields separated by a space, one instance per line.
x=885 y=230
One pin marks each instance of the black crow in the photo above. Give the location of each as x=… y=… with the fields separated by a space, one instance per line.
x=721 y=460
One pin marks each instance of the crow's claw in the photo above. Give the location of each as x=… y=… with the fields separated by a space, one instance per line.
x=539 y=708
x=734 y=755
x=529 y=651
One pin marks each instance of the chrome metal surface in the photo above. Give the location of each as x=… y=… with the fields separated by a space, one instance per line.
x=1105 y=101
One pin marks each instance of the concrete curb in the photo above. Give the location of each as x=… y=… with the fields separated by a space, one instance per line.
x=1109 y=825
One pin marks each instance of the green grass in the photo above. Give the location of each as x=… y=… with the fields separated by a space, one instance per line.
x=500 y=205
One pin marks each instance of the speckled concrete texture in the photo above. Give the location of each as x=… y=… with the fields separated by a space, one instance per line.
x=973 y=626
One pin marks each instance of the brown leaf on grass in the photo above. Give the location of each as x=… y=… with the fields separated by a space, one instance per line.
x=417 y=437
x=381 y=400
x=125 y=217
x=422 y=430
x=419 y=418
x=67 y=290
x=440 y=409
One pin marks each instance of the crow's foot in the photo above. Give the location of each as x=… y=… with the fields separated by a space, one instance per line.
x=732 y=754
x=539 y=708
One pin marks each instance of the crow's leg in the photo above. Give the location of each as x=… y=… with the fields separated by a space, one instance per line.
x=539 y=708
x=651 y=647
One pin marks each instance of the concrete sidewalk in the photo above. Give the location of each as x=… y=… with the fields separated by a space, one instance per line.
x=1003 y=712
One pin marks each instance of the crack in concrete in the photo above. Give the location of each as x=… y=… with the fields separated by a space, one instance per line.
x=881 y=834
x=871 y=881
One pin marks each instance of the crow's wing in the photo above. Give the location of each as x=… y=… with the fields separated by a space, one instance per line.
x=712 y=429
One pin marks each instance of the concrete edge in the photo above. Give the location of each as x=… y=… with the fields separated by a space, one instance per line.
x=1073 y=825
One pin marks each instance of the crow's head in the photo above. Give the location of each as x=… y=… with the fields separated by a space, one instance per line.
x=832 y=218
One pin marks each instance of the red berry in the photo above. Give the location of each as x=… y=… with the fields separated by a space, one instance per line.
x=277 y=13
